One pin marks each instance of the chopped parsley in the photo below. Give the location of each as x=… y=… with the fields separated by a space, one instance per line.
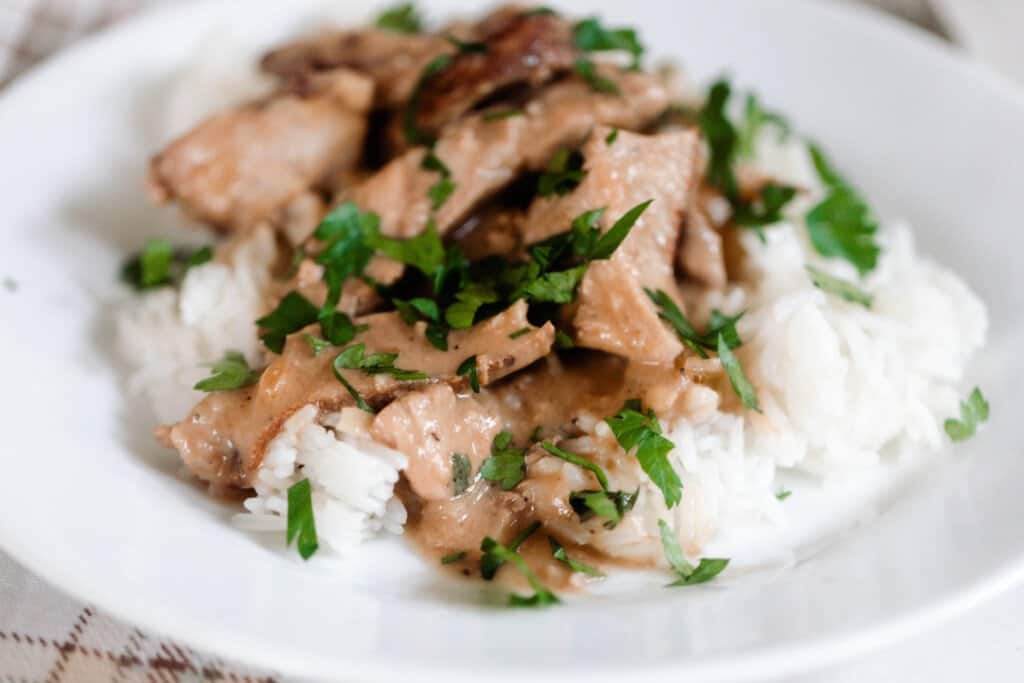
x=842 y=225
x=354 y=358
x=558 y=287
x=755 y=118
x=973 y=412
x=159 y=263
x=725 y=146
x=468 y=369
x=558 y=552
x=588 y=72
x=706 y=569
x=462 y=473
x=841 y=288
x=316 y=344
x=496 y=554
x=489 y=564
x=719 y=324
x=401 y=18
x=500 y=114
x=562 y=174
x=519 y=333
x=579 y=461
x=422 y=308
x=230 y=372
x=610 y=505
x=635 y=429
x=507 y=465
x=413 y=134
x=783 y=494
x=591 y=36
x=452 y=558
x=440 y=191
x=611 y=137
x=424 y=252
x=301 y=525
x=737 y=377
x=563 y=340
x=292 y=313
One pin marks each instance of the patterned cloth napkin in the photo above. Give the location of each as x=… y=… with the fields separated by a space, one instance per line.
x=46 y=636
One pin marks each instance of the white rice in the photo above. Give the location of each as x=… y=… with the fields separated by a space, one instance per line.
x=841 y=386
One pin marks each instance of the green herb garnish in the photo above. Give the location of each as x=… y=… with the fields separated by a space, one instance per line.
x=591 y=36
x=588 y=72
x=579 y=461
x=354 y=358
x=507 y=465
x=973 y=412
x=755 y=117
x=489 y=565
x=159 y=264
x=452 y=558
x=611 y=137
x=841 y=288
x=611 y=505
x=413 y=134
x=292 y=313
x=706 y=569
x=635 y=429
x=719 y=324
x=562 y=174
x=316 y=344
x=842 y=225
x=467 y=47
x=497 y=554
x=424 y=252
x=301 y=524
x=783 y=494
x=230 y=372
x=401 y=18
x=558 y=552
x=468 y=369
x=519 y=333
x=440 y=191
x=737 y=378
x=462 y=472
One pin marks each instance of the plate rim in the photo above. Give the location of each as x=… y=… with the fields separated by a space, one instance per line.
x=775 y=660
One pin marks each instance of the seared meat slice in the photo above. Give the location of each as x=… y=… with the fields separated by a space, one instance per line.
x=521 y=49
x=701 y=254
x=613 y=314
x=484 y=156
x=393 y=61
x=242 y=166
x=430 y=426
x=494 y=231
x=224 y=439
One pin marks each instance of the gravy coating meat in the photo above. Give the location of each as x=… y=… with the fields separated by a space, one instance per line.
x=243 y=166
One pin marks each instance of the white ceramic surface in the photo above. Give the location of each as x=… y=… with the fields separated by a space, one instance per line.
x=89 y=502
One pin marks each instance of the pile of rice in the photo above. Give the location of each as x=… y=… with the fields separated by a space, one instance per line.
x=840 y=385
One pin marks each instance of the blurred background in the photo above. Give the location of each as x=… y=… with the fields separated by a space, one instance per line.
x=987 y=644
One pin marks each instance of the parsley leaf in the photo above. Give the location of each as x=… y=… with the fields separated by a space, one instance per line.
x=468 y=369
x=424 y=252
x=452 y=558
x=354 y=358
x=842 y=225
x=696 y=342
x=602 y=478
x=230 y=372
x=563 y=340
x=462 y=472
x=440 y=191
x=489 y=564
x=635 y=429
x=721 y=138
x=591 y=36
x=737 y=378
x=611 y=137
x=973 y=412
x=558 y=552
x=467 y=47
x=611 y=505
x=159 y=264
x=301 y=524
x=498 y=554
x=783 y=494
x=468 y=300
x=755 y=117
x=707 y=568
x=413 y=134
x=766 y=209
x=610 y=241
x=401 y=18
x=588 y=72
x=519 y=333
x=499 y=114
x=422 y=308
x=558 y=287
x=292 y=313
x=317 y=344
x=562 y=174
x=839 y=287
x=507 y=465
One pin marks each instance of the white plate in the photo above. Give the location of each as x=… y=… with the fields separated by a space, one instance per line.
x=89 y=502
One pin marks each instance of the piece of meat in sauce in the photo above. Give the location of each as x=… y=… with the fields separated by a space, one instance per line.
x=224 y=438
x=484 y=156
x=245 y=165
x=612 y=312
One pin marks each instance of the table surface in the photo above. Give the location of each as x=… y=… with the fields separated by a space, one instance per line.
x=985 y=644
